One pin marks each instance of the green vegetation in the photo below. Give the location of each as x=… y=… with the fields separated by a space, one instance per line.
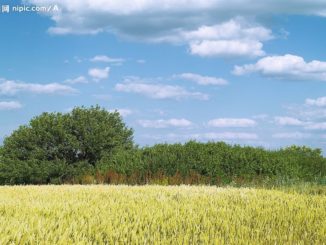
x=92 y=145
x=55 y=147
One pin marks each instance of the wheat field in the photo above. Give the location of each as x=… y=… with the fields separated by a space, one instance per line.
x=159 y=215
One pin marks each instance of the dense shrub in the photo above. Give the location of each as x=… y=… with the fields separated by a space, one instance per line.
x=41 y=172
x=214 y=163
x=93 y=145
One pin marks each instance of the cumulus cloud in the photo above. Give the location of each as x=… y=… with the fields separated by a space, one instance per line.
x=307 y=113
x=10 y=105
x=291 y=135
x=216 y=31
x=234 y=29
x=13 y=87
x=106 y=59
x=235 y=37
x=157 y=90
x=232 y=122
x=99 y=74
x=80 y=79
x=202 y=80
x=289 y=66
x=155 y=18
x=289 y=121
x=224 y=48
x=320 y=102
x=161 y=123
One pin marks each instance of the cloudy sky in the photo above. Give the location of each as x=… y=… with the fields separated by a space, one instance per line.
x=249 y=72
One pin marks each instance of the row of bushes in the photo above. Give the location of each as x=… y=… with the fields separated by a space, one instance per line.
x=217 y=163
x=94 y=145
x=191 y=163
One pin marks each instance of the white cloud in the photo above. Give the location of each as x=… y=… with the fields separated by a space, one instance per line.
x=156 y=18
x=291 y=135
x=10 y=105
x=288 y=121
x=216 y=31
x=123 y=112
x=234 y=29
x=224 y=48
x=165 y=123
x=317 y=126
x=232 y=38
x=202 y=80
x=232 y=122
x=215 y=136
x=211 y=136
x=99 y=74
x=320 y=102
x=229 y=136
x=307 y=113
x=286 y=67
x=156 y=90
x=13 y=87
x=80 y=79
x=106 y=59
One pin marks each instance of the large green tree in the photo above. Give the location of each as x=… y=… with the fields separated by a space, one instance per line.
x=84 y=134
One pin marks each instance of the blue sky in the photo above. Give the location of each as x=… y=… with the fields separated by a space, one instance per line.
x=246 y=73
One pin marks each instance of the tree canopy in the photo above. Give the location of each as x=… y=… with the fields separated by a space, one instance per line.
x=84 y=134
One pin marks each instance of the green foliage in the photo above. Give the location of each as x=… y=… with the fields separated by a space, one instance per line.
x=122 y=161
x=91 y=145
x=214 y=159
x=56 y=145
x=219 y=163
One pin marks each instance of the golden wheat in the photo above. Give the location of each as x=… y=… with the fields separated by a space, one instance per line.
x=159 y=215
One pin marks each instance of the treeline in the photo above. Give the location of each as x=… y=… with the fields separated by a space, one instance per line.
x=190 y=163
x=91 y=145
x=215 y=163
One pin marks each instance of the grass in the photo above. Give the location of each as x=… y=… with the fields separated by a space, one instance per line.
x=160 y=215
